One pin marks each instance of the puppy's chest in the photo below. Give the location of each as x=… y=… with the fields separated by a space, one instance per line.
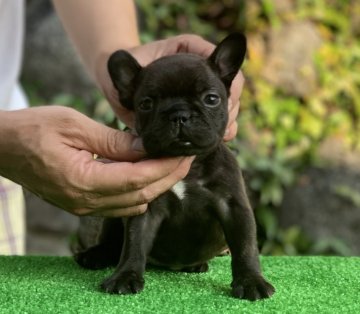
x=189 y=203
x=193 y=198
x=190 y=232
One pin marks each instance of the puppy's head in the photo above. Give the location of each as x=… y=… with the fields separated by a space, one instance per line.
x=180 y=101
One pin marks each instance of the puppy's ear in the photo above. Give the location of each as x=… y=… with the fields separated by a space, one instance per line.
x=123 y=69
x=228 y=56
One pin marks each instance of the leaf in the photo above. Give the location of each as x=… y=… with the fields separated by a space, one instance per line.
x=348 y=193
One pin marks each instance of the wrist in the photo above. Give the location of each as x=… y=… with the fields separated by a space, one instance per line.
x=9 y=135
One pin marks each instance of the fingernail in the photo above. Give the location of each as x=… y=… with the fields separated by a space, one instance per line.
x=137 y=145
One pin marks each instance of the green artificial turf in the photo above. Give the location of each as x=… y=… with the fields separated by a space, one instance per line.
x=58 y=285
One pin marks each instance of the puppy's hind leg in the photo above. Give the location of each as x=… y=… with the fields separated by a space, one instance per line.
x=200 y=268
x=139 y=235
x=107 y=251
x=98 y=257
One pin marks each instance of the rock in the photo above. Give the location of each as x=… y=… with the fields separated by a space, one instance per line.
x=283 y=7
x=50 y=61
x=325 y=202
x=289 y=65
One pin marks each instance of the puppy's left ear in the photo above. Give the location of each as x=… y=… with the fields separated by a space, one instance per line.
x=228 y=56
x=123 y=69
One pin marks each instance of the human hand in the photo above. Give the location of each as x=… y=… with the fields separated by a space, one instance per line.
x=49 y=150
x=147 y=53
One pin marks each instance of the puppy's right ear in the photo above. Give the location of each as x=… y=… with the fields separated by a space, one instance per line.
x=123 y=69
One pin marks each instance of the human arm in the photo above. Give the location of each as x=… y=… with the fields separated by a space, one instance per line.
x=49 y=150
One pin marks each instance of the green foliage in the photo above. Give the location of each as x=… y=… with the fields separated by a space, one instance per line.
x=68 y=100
x=285 y=131
x=292 y=241
x=164 y=18
x=33 y=93
x=348 y=193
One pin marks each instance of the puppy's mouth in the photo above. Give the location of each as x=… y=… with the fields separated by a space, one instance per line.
x=179 y=143
x=177 y=147
x=186 y=147
x=183 y=147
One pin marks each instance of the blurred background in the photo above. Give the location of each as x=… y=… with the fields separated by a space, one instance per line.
x=298 y=141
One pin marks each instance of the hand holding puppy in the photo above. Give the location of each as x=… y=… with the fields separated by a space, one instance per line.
x=49 y=150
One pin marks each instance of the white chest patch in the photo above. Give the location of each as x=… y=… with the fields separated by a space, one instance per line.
x=179 y=189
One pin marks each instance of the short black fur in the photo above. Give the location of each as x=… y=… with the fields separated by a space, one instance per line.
x=180 y=103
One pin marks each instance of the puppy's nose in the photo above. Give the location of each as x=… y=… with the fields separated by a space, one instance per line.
x=180 y=117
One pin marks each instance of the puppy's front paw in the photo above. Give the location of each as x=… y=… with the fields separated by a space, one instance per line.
x=128 y=282
x=252 y=288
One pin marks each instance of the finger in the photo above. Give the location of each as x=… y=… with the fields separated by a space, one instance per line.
x=231 y=128
x=233 y=112
x=110 y=92
x=112 y=178
x=231 y=132
x=125 y=115
x=138 y=197
x=110 y=143
x=194 y=44
x=236 y=87
x=119 y=212
x=125 y=212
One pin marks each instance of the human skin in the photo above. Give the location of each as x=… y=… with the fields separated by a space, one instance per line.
x=49 y=150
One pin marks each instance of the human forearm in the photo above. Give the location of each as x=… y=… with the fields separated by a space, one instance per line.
x=8 y=136
x=98 y=28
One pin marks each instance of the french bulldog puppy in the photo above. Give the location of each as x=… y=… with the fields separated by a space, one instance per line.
x=180 y=104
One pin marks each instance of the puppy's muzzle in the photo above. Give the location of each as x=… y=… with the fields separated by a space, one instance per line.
x=180 y=117
x=180 y=121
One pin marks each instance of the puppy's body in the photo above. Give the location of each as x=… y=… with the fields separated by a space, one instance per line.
x=180 y=104
x=190 y=232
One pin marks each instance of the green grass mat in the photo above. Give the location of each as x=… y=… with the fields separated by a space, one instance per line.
x=58 y=285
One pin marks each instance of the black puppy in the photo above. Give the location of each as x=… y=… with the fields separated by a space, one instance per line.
x=180 y=103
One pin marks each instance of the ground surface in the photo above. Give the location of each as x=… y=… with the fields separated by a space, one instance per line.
x=58 y=285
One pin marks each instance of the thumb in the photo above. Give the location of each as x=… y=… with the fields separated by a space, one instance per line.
x=113 y=144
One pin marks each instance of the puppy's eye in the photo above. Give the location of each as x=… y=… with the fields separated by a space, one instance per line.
x=211 y=100
x=146 y=104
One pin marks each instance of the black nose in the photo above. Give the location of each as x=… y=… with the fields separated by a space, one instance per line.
x=180 y=116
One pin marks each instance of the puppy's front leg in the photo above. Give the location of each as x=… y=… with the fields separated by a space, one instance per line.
x=240 y=231
x=139 y=233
